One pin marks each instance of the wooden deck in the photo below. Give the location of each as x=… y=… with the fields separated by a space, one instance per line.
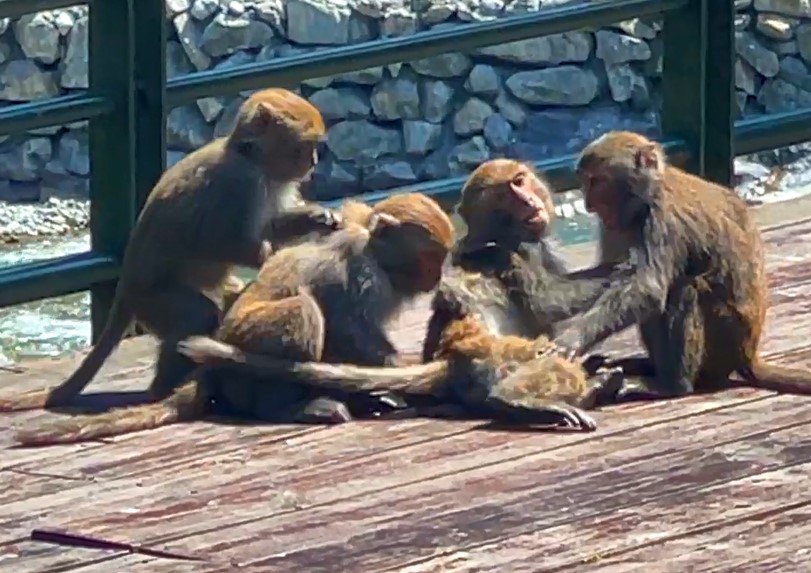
x=711 y=483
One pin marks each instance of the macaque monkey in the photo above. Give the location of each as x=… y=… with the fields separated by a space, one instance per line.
x=217 y=208
x=505 y=270
x=321 y=301
x=699 y=289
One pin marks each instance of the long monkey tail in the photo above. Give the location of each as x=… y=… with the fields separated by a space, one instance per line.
x=186 y=404
x=422 y=379
x=777 y=378
x=119 y=320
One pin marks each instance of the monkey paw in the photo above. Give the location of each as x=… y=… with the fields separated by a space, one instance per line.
x=330 y=219
x=567 y=344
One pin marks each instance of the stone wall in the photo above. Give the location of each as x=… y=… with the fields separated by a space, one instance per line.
x=402 y=123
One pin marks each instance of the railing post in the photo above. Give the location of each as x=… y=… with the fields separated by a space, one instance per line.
x=150 y=95
x=698 y=87
x=112 y=141
x=719 y=91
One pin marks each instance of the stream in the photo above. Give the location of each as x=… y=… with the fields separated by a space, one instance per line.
x=55 y=326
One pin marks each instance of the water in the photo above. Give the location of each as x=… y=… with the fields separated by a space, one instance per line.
x=55 y=326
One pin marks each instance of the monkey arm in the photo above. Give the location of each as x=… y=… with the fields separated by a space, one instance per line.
x=549 y=297
x=630 y=299
x=232 y=232
x=301 y=220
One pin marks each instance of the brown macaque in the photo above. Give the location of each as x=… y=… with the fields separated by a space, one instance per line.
x=505 y=270
x=699 y=290
x=325 y=301
x=217 y=208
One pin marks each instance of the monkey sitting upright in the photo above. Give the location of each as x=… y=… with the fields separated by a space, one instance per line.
x=699 y=291
x=216 y=208
x=505 y=271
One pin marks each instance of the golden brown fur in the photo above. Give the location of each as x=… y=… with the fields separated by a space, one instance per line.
x=699 y=293
x=215 y=209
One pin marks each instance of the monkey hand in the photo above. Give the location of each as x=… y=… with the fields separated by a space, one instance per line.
x=515 y=273
x=329 y=219
x=568 y=344
x=448 y=300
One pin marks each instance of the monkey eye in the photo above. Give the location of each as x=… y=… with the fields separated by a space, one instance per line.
x=518 y=180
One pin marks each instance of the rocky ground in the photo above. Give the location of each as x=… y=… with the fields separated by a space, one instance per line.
x=54 y=217
x=788 y=176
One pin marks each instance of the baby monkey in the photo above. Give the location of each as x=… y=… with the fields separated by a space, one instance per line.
x=217 y=208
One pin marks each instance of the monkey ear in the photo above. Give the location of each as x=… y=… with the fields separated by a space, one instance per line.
x=380 y=221
x=269 y=115
x=648 y=158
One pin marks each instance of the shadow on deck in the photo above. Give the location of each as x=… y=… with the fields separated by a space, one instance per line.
x=710 y=483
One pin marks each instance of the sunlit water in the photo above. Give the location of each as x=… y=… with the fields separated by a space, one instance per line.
x=52 y=327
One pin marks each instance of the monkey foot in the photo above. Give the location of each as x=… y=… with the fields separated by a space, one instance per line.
x=543 y=413
x=324 y=411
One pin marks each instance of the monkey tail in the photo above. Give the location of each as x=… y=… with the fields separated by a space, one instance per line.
x=420 y=379
x=117 y=324
x=777 y=378
x=186 y=404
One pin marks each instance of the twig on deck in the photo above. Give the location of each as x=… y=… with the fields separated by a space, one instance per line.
x=88 y=542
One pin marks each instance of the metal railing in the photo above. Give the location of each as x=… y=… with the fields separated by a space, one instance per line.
x=128 y=98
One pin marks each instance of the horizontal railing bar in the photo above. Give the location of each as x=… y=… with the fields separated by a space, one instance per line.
x=54 y=277
x=74 y=273
x=558 y=171
x=15 y=8
x=23 y=117
x=291 y=71
x=772 y=131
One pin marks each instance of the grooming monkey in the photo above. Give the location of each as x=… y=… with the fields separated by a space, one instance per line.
x=217 y=208
x=699 y=290
x=508 y=210
x=319 y=301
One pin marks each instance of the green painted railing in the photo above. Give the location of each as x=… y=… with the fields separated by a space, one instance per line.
x=128 y=98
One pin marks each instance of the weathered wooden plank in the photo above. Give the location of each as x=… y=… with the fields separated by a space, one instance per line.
x=273 y=478
x=776 y=542
x=390 y=518
x=30 y=557
x=688 y=530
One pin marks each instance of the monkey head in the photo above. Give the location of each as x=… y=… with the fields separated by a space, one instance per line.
x=282 y=132
x=410 y=238
x=506 y=201
x=621 y=174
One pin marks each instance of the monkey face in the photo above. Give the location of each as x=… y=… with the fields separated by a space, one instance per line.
x=521 y=206
x=602 y=195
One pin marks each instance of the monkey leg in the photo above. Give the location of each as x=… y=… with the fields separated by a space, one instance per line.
x=604 y=386
x=675 y=342
x=173 y=315
x=542 y=391
x=231 y=289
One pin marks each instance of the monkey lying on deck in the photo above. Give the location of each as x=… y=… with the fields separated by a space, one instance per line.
x=216 y=208
x=699 y=291
x=325 y=301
